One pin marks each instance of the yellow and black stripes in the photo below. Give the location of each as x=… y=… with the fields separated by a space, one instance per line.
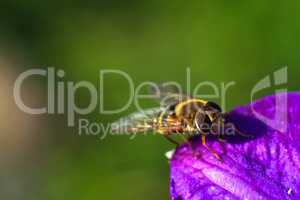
x=173 y=118
x=190 y=103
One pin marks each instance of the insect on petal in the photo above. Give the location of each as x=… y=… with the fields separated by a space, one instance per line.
x=266 y=167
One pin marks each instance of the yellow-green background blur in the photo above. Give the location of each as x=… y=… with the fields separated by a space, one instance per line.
x=221 y=41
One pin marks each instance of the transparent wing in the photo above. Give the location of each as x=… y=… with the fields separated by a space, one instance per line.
x=168 y=94
x=137 y=122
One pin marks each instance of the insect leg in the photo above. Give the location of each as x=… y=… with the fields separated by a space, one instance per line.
x=171 y=140
x=186 y=141
x=221 y=138
x=203 y=140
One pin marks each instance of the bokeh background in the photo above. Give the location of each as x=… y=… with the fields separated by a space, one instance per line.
x=42 y=158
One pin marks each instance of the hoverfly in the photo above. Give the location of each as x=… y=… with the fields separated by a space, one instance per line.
x=179 y=114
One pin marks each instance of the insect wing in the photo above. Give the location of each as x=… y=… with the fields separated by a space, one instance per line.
x=137 y=122
x=168 y=94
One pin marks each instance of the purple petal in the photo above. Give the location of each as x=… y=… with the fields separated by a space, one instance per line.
x=266 y=167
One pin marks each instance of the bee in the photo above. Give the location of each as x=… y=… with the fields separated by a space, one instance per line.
x=179 y=114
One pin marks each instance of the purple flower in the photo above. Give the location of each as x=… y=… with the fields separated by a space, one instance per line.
x=266 y=167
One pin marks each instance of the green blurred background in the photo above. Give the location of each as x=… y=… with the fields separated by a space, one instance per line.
x=41 y=158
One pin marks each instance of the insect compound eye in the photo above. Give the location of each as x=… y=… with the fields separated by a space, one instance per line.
x=213 y=106
x=202 y=122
